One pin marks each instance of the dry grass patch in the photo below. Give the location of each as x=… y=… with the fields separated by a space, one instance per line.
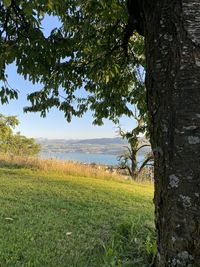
x=59 y=166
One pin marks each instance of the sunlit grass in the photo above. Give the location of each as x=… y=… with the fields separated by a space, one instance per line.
x=53 y=218
x=58 y=166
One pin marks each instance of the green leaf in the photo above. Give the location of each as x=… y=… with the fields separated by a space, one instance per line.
x=107 y=78
x=50 y=4
x=7 y=3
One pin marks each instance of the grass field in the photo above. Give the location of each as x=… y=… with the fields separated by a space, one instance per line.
x=52 y=219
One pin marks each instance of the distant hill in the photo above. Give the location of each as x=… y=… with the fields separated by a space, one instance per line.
x=103 y=141
x=99 y=141
x=113 y=146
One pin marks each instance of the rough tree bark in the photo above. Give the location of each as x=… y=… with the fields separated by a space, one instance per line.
x=172 y=37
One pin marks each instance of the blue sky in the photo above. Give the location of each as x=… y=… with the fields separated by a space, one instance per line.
x=54 y=125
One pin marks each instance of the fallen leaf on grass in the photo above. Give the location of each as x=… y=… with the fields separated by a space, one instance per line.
x=9 y=219
x=68 y=233
x=63 y=210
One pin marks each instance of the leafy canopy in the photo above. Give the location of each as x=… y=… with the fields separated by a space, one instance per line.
x=86 y=52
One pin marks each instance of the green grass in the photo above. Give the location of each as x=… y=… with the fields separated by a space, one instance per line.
x=57 y=220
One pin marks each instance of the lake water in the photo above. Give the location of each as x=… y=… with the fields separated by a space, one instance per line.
x=86 y=158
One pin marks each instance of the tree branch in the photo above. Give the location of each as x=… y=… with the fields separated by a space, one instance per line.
x=145 y=163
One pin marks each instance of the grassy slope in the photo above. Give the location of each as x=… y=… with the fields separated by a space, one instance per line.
x=54 y=220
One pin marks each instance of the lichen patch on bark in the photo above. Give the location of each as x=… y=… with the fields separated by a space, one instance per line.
x=192 y=127
x=192 y=19
x=193 y=140
x=173 y=181
x=186 y=201
x=183 y=259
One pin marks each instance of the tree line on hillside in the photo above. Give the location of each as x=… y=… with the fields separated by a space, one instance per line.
x=15 y=143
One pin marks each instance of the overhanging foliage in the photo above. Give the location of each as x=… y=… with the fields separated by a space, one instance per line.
x=86 y=51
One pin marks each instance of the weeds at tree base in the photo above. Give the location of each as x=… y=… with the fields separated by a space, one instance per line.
x=132 y=245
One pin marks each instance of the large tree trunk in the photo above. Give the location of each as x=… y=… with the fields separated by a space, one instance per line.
x=172 y=36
